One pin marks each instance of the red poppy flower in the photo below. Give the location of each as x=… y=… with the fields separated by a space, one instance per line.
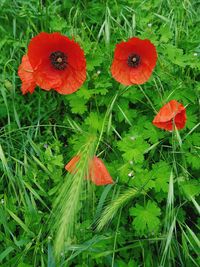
x=57 y=62
x=98 y=173
x=173 y=113
x=25 y=73
x=134 y=61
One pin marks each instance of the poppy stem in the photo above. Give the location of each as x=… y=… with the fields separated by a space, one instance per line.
x=148 y=99
x=108 y=111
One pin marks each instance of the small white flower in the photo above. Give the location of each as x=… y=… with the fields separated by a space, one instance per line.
x=130 y=174
x=149 y=25
x=98 y=72
x=131 y=162
x=2 y=201
x=195 y=54
x=132 y=138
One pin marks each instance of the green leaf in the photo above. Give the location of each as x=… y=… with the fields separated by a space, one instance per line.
x=166 y=34
x=143 y=179
x=193 y=160
x=5 y=253
x=94 y=120
x=175 y=55
x=161 y=173
x=78 y=105
x=57 y=23
x=190 y=188
x=19 y=222
x=146 y=219
x=134 y=148
x=150 y=132
x=94 y=59
x=85 y=93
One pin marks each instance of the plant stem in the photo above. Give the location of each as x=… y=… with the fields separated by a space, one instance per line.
x=148 y=99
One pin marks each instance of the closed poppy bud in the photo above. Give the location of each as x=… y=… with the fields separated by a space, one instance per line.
x=134 y=61
x=170 y=115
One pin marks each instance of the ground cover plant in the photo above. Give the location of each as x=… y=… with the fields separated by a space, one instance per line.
x=103 y=169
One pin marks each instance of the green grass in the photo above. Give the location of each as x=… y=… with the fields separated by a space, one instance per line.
x=150 y=215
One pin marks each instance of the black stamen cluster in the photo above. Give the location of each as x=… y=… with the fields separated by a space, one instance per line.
x=58 y=60
x=133 y=60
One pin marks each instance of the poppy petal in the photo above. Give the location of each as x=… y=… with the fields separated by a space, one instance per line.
x=42 y=45
x=141 y=74
x=120 y=73
x=168 y=125
x=98 y=172
x=75 y=54
x=146 y=50
x=71 y=165
x=46 y=77
x=169 y=111
x=73 y=81
x=170 y=114
x=25 y=73
x=123 y=50
x=180 y=120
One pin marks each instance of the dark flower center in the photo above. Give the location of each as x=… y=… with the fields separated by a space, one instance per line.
x=58 y=60
x=133 y=60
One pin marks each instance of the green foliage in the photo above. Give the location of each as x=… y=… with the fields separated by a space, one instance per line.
x=134 y=148
x=68 y=202
x=190 y=188
x=151 y=211
x=146 y=218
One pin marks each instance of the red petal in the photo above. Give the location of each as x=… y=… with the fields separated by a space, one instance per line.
x=98 y=173
x=72 y=82
x=25 y=73
x=169 y=111
x=180 y=120
x=146 y=50
x=75 y=55
x=123 y=50
x=47 y=77
x=168 y=125
x=71 y=166
x=121 y=71
x=172 y=112
x=140 y=74
x=42 y=45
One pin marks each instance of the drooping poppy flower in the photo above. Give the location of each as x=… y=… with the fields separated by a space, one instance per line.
x=134 y=61
x=170 y=115
x=25 y=73
x=57 y=62
x=98 y=173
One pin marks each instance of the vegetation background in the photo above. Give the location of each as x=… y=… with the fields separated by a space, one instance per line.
x=154 y=202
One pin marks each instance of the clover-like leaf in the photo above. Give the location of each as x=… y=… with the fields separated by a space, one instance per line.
x=146 y=218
